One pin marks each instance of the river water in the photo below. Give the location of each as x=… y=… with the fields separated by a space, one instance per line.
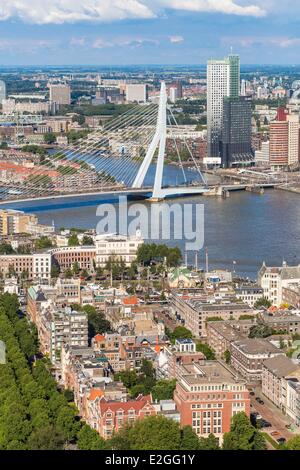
x=245 y=228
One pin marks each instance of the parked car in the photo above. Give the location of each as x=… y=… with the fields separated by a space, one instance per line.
x=281 y=440
x=252 y=394
x=265 y=424
x=275 y=434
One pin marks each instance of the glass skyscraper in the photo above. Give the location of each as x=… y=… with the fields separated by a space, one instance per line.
x=223 y=80
x=235 y=144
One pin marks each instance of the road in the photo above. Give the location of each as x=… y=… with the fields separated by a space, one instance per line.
x=271 y=413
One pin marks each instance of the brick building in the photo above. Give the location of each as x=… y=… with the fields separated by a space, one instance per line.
x=207 y=395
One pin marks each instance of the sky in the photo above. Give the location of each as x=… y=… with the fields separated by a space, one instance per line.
x=129 y=32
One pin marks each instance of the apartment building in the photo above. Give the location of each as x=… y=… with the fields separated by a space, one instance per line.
x=220 y=335
x=274 y=279
x=291 y=295
x=171 y=357
x=14 y=222
x=111 y=416
x=283 y=321
x=34 y=267
x=60 y=94
x=248 y=355
x=293 y=400
x=65 y=257
x=57 y=325
x=196 y=311
x=249 y=294
x=276 y=371
x=117 y=246
x=207 y=395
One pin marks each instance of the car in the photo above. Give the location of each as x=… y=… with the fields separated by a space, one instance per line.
x=281 y=440
x=252 y=394
x=258 y=399
x=275 y=434
x=265 y=424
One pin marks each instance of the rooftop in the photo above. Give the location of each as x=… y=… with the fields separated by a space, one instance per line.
x=208 y=372
x=281 y=366
x=256 y=346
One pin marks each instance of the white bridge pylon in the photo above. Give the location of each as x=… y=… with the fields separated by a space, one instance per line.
x=159 y=141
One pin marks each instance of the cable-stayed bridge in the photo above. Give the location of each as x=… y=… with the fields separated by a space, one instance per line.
x=127 y=155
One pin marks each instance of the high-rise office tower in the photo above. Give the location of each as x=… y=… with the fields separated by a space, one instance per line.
x=223 y=80
x=235 y=144
x=2 y=91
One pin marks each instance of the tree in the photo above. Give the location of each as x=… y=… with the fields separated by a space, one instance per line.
x=293 y=443
x=89 y=439
x=68 y=273
x=260 y=331
x=73 y=240
x=262 y=303
x=46 y=438
x=163 y=390
x=6 y=249
x=87 y=241
x=76 y=268
x=227 y=356
x=97 y=322
x=242 y=435
x=55 y=271
x=43 y=243
x=209 y=443
x=49 y=138
x=189 y=439
x=181 y=332
x=208 y=352
x=153 y=433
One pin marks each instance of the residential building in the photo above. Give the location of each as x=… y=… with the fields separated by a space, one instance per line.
x=274 y=279
x=248 y=355
x=34 y=267
x=111 y=416
x=220 y=335
x=223 y=80
x=291 y=295
x=136 y=93
x=282 y=321
x=293 y=400
x=171 y=357
x=195 y=312
x=262 y=156
x=60 y=94
x=249 y=294
x=276 y=372
x=207 y=395
x=118 y=247
x=284 y=140
x=15 y=222
x=56 y=325
x=65 y=257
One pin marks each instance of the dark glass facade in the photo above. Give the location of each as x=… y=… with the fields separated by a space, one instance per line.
x=235 y=145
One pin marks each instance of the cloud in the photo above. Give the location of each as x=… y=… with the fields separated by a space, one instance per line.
x=28 y=46
x=261 y=41
x=101 y=43
x=176 y=39
x=72 y=11
x=231 y=7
